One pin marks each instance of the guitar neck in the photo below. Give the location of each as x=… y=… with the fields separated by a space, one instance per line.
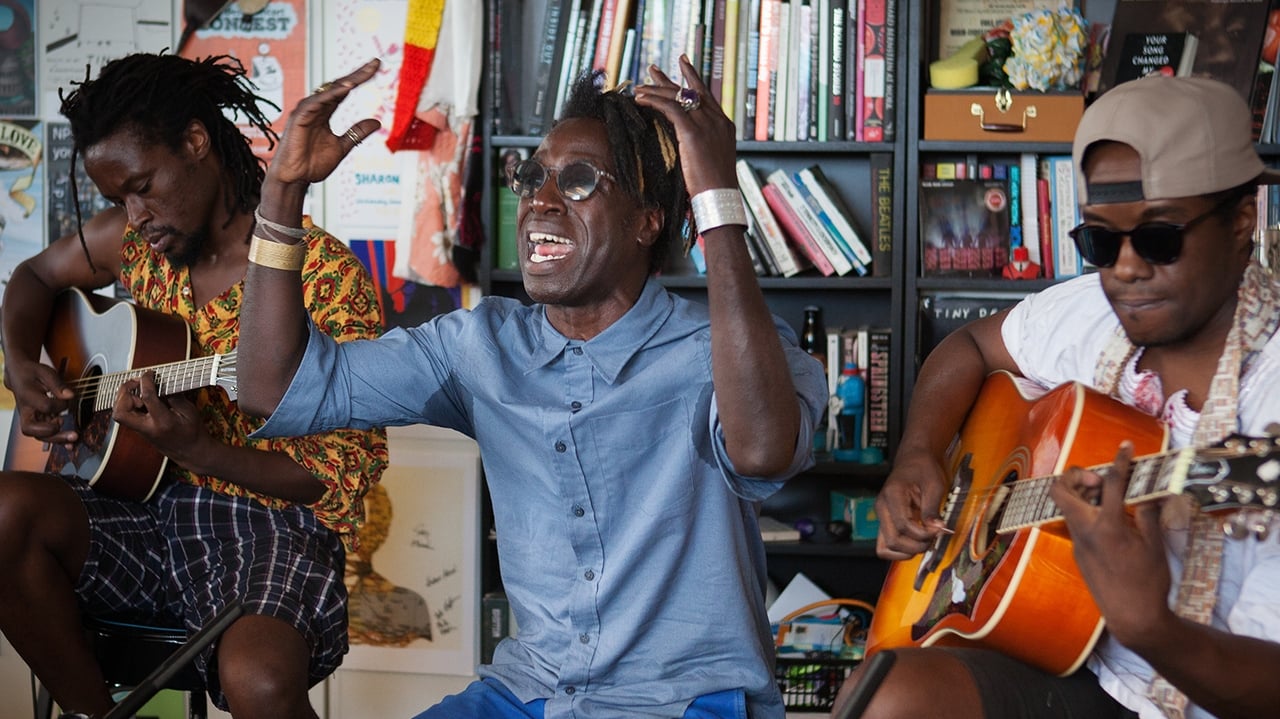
x=1154 y=477
x=171 y=378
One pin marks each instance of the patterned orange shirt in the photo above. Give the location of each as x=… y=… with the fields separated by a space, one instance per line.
x=342 y=301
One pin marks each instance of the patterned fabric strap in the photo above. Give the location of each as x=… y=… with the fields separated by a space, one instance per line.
x=1256 y=319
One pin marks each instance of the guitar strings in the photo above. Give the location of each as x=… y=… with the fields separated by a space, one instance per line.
x=178 y=373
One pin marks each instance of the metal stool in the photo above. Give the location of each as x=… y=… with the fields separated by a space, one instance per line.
x=146 y=658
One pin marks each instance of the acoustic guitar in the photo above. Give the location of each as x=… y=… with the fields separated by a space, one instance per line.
x=97 y=344
x=1006 y=579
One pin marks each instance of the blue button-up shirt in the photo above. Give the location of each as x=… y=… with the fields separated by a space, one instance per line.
x=629 y=546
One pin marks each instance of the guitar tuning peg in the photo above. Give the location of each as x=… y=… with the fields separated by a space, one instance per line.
x=1250 y=522
x=1261 y=524
x=1234 y=526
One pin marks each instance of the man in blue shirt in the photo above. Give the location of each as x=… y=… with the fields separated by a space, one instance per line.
x=627 y=434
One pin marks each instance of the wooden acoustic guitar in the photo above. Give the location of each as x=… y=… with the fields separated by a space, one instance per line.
x=1006 y=579
x=97 y=344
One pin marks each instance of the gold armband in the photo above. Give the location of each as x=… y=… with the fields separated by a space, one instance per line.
x=277 y=255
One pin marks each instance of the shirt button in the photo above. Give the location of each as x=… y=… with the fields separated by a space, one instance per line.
x=569 y=690
x=560 y=447
x=589 y=575
x=577 y=350
x=575 y=405
x=584 y=639
x=578 y=511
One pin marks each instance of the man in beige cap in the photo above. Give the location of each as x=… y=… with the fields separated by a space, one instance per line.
x=1179 y=321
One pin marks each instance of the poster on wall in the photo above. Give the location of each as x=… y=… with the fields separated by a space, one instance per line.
x=272 y=46
x=21 y=204
x=79 y=36
x=413 y=583
x=17 y=58
x=61 y=199
x=22 y=198
x=362 y=197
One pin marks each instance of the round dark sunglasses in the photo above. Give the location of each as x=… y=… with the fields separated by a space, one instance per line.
x=576 y=181
x=1157 y=243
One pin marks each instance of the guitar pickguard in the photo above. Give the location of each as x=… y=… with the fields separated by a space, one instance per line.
x=960 y=582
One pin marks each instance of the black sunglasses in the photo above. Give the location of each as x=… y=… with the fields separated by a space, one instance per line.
x=576 y=181
x=1157 y=243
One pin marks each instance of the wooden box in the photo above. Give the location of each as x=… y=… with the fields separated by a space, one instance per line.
x=996 y=115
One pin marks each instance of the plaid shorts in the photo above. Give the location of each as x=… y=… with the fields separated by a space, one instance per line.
x=183 y=554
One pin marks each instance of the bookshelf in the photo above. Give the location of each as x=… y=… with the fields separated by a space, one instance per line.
x=848 y=569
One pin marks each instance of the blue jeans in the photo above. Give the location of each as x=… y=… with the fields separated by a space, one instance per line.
x=489 y=698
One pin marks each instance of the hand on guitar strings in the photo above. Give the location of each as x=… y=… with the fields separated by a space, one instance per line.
x=43 y=400
x=1121 y=558
x=171 y=423
x=909 y=507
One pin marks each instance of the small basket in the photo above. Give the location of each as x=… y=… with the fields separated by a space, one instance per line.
x=811 y=681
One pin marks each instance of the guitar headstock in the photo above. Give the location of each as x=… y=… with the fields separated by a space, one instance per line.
x=1241 y=473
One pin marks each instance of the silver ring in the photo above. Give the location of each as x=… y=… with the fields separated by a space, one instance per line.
x=689 y=99
x=353 y=136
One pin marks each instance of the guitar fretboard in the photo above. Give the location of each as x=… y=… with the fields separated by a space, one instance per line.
x=171 y=378
x=1153 y=477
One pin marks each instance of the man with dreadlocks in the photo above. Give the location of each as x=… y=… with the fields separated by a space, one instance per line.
x=261 y=521
x=628 y=435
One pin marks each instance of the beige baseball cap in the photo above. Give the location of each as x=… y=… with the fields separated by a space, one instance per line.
x=1193 y=135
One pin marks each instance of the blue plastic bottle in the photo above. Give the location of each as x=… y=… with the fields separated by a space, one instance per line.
x=851 y=392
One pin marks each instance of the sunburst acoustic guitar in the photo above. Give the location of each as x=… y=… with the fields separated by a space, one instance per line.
x=97 y=344
x=1006 y=579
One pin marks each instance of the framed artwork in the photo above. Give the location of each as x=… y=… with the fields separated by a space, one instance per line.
x=414 y=583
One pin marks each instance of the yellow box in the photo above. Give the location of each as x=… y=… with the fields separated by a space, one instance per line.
x=988 y=114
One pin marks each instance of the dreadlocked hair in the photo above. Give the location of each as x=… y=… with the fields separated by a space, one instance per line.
x=643 y=144
x=156 y=96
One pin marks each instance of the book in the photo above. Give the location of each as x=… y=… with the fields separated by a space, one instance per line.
x=881 y=214
x=1228 y=36
x=569 y=53
x=839 y=70
x=773 y=530
x=961 y=221
x=858 y=115
x=1044 y=215
x=873 y=40
x=608 y=10
x=505 y=78
x=780 y=92
x=547 y=64
x=825 y=200
x=789 y=221
x=769 y=230
x=821 y=130
x=942 y=313
x=888 y=120
x=879 y=373
x=1260 y=95
x=1066 y=215
x=1166 y=53
x=766 y=69
x=495 y=623
x=822 y=238
x=506 y=256
x=1030 y=206
x=729 y=94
